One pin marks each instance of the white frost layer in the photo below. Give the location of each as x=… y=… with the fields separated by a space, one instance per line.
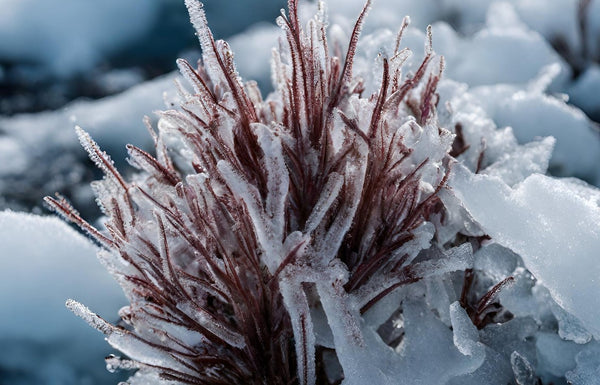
x=553 y=228
x=44 y=262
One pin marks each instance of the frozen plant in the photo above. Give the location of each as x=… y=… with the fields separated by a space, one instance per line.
x=311 y=237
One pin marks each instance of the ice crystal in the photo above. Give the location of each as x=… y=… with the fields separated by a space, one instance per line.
x=308 y=237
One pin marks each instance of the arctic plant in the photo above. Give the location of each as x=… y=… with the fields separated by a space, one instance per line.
x=344 y=229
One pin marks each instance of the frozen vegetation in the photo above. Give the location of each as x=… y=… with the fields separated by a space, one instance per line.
x=395 y=211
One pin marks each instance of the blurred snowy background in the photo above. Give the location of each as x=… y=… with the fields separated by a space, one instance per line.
x=104 y=65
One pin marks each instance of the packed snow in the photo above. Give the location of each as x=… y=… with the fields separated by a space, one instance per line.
x=554 y=230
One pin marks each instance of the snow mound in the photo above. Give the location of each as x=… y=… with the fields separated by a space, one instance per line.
x=44 y=262
x=40 y=154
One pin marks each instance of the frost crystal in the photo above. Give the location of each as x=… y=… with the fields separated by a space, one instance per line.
x=325 y=234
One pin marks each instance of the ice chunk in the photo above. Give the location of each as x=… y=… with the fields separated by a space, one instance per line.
x=524 y=373
x=514 y=335
x=437 y=359
x=587 y=371
x=440 y=293
x=495 y=370
x=526 y=297
x=555 y=356
x=569 y=327
x=496 y=261
x=465 y=333
x=528 y=219
x=500 y=341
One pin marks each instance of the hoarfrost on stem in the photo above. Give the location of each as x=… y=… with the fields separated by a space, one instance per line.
x=322 y=229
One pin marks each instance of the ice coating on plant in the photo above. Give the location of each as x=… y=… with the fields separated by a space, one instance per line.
x=326 y=228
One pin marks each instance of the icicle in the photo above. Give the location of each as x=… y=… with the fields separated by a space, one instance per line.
x=277 y=181
x=429 y=42
x=456 y=259
x=250 y=196
x=114 y=363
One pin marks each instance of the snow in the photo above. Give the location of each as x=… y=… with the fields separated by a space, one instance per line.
x=119 y=80
x=583 y=92
x=587 y=370
x=72 y=37
x=45 y=262
x=40 y=153
x=532 y=115
x=76 y=36
x=527 y=219
x=112 y=121
x=484 y=57
x=253 y=48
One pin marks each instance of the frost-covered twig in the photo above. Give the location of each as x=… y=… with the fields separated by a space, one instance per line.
x=257 y=215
